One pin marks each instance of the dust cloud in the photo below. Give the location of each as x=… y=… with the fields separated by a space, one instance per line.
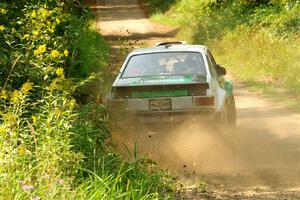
x=196 y=150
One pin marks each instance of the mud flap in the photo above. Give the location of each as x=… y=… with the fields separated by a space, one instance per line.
x=228 y=86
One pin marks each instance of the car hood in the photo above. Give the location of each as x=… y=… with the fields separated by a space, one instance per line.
x=162 y=80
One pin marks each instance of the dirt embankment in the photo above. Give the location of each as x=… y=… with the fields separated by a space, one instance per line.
x=258 y=160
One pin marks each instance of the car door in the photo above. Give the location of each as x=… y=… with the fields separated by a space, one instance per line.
x=212 y=68
x=216 y=82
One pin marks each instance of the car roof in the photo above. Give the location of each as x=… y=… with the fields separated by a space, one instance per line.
x=169 y=48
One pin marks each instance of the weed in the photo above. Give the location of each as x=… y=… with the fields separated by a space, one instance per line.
x=51 y=146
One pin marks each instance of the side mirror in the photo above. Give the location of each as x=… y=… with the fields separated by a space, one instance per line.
x=220 y=70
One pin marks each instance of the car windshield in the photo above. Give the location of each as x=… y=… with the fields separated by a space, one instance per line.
x=171 y=63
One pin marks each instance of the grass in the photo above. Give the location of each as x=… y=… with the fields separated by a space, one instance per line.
x=258 y=42
x=89 y=46
x=268 y=65
x=52 y=140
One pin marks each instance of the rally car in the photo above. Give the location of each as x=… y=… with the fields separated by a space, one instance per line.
x=170 y=81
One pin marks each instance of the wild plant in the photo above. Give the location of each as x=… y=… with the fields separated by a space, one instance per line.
x=50 y=146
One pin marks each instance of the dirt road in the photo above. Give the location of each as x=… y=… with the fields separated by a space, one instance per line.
x=260 y=160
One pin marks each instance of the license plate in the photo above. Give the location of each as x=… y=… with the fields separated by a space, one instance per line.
x=160 y=104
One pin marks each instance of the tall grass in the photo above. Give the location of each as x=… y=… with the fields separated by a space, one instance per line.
x=51 y=145
x=258 y=59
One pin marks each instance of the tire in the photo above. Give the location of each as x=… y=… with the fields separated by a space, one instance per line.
x=228 y=115
x=231 y=112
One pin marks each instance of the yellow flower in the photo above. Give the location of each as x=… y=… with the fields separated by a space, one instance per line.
x=9 y=119
x=26 y=87
x=14 y=134
x=35 y=33
x=33 y=119
x=15 y=96
x=57 y=20
x=60 y=71
x=22 y=150
x=55 y=53
x=2 y=129
x=72 y=103
x=53 y=86
x=1 y=27
x=26 y=36
x=43 y=13
x=51 y=30
x=66 y=52
x=4 y=95
x=40 y=50
x=33 y=14
x=3 y=11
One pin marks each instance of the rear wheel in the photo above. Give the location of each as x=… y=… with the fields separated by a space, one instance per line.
x=228 y=115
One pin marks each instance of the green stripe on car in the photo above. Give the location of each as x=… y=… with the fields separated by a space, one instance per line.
x=154 y=94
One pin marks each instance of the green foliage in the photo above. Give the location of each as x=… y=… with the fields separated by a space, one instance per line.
x=51 y=147
x=109 y=175
x=160 y=5
x=277 y=22
x=31 y=34
x=35 y=143
x=257 y=59
x=87 y=46
x=40 y=33
x=258 y=41
x=211 y=19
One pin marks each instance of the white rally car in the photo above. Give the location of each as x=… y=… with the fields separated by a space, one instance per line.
x=173 y=80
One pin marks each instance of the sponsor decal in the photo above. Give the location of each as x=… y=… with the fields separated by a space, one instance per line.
x=166 y=80
x=162 y=80
x=152 y=94
x=178 y=80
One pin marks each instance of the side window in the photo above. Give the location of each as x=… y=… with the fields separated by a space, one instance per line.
x=212 y=58
x=211 y=64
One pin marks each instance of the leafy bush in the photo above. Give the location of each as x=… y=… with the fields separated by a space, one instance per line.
x=36 y=156
x=51 y=147
x=160 y=5
x=30 y=35
x=87 y=46
x=109 y=175
x=210 y=19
